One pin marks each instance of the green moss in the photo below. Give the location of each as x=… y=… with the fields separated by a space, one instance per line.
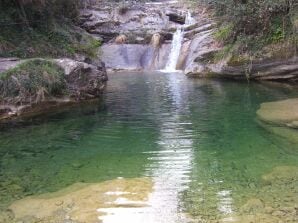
x=238 y=60
x=32 y=80
x=55 y=40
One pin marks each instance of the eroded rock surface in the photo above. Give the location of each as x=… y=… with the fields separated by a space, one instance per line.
x=148 y=29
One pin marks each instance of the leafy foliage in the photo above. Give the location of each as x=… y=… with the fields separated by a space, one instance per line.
x=43 y=28
x=254 y=24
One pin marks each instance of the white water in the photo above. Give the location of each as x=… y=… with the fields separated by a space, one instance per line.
x=176 y=45
x=175 y=50
x=189 y=20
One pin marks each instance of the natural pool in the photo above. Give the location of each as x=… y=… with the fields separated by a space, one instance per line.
x=186 y=150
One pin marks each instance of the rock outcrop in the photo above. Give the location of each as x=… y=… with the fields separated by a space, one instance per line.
x=272 y=70
x=148 y=29
x=82 y=82
x=140 y=23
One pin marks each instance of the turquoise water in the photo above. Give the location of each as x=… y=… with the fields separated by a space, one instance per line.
x=197 y=139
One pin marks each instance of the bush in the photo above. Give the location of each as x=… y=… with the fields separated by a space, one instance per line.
x=32 y=81
x=255 y=23
x=43 y=28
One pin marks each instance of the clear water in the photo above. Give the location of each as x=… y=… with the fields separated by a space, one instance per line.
x=197 y=139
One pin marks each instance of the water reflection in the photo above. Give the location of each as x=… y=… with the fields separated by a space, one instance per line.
x=194 y=140
x=170 y=163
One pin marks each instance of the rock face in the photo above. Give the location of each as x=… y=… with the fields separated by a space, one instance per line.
x=83 y=81
x=281 y=70
x=140 y=23
x=134 y=56
x=281 y=118
x=148 y=29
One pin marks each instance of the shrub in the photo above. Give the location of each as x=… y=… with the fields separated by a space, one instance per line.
x=253 y=24
x=32 y=81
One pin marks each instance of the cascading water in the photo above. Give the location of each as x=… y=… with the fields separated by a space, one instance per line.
x=175 y=50
x=189 y=20
x=177 y=44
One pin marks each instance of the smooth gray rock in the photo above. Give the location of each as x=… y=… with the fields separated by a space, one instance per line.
x=134 y=57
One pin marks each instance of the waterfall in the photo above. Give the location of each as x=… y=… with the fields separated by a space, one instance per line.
x=175 y=50
x=189 y=20
x=177 y=44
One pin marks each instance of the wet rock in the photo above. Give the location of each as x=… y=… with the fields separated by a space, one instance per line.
x=268 y=210
x=6 y=216
x=283 y=112
x=134 y=57
x=83 y=202
x=156 y=40
x=176 y=17
x=280 y=117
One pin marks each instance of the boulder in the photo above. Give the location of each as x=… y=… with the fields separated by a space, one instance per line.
x=84 y=81
x=121 y=39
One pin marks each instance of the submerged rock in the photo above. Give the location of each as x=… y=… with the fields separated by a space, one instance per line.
x=84 y=202
x=281 y=174
x=283 y=112
x=281 y=118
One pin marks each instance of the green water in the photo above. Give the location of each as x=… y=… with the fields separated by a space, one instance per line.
x=197 y=139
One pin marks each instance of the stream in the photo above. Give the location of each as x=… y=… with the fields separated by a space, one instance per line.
x=196 y=140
